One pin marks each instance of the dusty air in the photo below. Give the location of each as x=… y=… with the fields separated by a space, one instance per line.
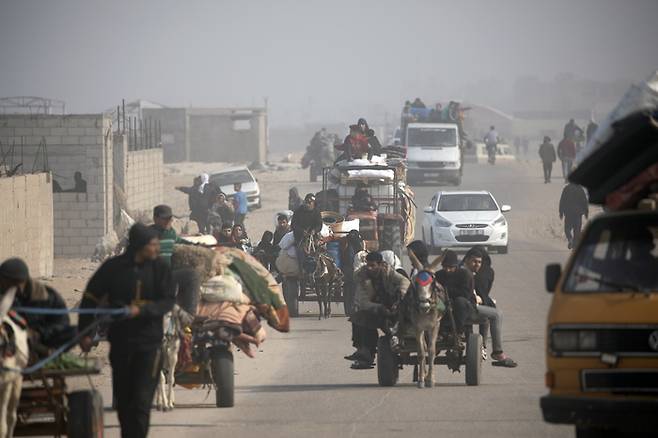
x=328 y=219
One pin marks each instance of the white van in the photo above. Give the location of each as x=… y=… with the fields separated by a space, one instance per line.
x=433 y=152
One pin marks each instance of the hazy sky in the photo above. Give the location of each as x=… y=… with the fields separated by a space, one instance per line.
x=315 y=60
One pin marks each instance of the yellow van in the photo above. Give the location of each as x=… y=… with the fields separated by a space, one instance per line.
x=602 y=337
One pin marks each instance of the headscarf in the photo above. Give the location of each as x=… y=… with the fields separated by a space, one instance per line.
x=204 y=181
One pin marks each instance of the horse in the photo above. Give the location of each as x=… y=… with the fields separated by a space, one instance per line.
x=321 y=273
x=174 y=323
x=425 y=307
x=14 y=354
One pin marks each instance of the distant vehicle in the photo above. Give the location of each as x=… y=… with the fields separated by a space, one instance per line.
x=396 y=138
x=241 y=174
x=464 y=219
x=434 y=152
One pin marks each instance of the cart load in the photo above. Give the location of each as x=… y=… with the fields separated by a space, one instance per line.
x=231 y=265
x=619 y=166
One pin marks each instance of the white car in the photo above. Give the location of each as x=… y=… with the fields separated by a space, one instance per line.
x=232 y=175
x=463 y=219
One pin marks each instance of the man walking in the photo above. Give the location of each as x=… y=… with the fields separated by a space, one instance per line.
x=573 y=206
x=547 y=155
x=240 y=204
x=140 y=282
x=566 y=152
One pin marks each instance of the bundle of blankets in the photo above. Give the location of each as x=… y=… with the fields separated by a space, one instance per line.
x=236 y=292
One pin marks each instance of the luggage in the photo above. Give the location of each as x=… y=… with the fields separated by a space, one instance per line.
x=624 y=146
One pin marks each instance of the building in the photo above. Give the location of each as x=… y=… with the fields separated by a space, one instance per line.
x=212 y=134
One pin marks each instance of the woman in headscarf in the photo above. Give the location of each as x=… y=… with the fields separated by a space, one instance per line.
x=205 y=179
x=197 y=202
x=294 y=200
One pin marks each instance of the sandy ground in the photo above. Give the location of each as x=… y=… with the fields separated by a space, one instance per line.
x=280 y=377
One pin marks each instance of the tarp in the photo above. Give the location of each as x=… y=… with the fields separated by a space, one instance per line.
x=625 y=145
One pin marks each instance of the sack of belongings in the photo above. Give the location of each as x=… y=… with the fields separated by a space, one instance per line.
x=225 y=287
x=622 y=150
x=257 y=283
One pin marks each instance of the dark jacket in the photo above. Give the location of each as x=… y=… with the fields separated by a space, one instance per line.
x=547 y=152
x=53 y=330
x=457 y=284
x=573 y=202
x=278 y=235
x=120 y=282
x=305 y=220
x=566 y=150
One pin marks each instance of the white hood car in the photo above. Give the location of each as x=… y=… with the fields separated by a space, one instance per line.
x=464 y=219
x=232 y=175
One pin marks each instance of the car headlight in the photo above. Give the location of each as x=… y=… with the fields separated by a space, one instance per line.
x=500 y=220
x=442 y=223
x=563 y=341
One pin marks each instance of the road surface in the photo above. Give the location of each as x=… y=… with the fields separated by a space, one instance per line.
x=300 y=385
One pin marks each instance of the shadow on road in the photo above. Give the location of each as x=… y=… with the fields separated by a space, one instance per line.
x=328 y=387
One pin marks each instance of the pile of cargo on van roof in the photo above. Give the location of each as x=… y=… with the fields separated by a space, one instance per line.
x=619 y=166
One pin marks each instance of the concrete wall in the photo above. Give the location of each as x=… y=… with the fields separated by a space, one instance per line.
x=212 y=134
x=26 y=221
x=174 y=132
x=139 y=174
x=143 y=183
x=72 y=143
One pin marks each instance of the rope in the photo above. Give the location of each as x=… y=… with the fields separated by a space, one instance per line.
x=107 y=313
x=43 y=362
x=47 y=311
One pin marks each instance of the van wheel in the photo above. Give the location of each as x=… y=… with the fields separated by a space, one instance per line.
x=458 y=181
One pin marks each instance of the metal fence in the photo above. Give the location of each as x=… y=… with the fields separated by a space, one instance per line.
x=142 y=133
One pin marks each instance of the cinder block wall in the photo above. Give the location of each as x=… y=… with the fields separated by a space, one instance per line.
x=73 y=143
x=26 y=221
x=139 y=174
x=143 y=180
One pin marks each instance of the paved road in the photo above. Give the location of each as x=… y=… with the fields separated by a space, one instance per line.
x=301 y=386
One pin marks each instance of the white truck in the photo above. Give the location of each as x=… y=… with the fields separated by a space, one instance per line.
x=434 y=152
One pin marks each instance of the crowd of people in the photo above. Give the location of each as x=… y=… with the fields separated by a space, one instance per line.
x=380 y=299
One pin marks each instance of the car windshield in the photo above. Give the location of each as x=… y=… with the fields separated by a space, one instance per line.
x=466 y=203
x=229 y=178
x=617 y=254
x=431 y=137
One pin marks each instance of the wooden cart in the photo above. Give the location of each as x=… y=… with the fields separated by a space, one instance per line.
x=47 y=408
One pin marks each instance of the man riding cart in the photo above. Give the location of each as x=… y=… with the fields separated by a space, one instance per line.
x=379 y=291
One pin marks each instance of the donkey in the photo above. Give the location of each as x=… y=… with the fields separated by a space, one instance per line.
x=14 y=354
x=321 y=272
x=425 y=307
x=174 y=323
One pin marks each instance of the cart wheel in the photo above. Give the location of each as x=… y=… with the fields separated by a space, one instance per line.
x=474 y=359
x=222 y=373
x=85 y=414
x=387 y=364
x=291 y=295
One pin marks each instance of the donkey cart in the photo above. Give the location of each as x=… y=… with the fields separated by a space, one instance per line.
x=47 y=408
x=451 y=352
